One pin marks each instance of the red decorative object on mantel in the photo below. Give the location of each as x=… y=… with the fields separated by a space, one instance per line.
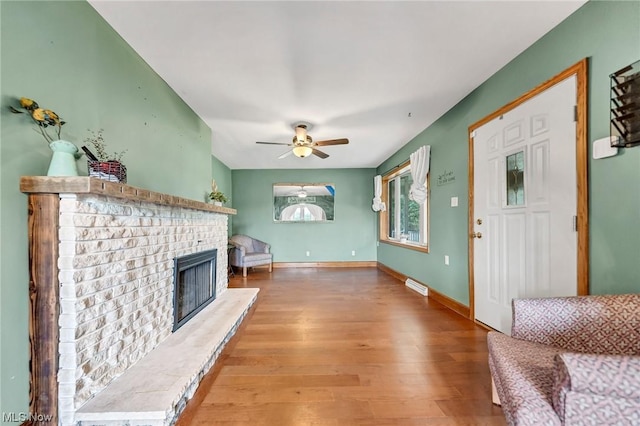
x=113 y=171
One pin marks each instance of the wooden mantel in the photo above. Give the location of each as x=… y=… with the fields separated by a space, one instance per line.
x=90 y=185
x=44 y=292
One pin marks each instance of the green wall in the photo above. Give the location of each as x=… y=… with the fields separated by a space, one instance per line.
x=66 y=57
x=606 y=32
x=222 y=174
x=354 y=227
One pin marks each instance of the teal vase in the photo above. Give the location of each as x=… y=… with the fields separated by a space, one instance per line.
x=63 y=161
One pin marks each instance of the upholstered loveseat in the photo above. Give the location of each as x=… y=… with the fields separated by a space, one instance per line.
x=569 y=361
x=248 y=252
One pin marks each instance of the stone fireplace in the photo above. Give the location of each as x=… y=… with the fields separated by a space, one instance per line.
x=102 y=268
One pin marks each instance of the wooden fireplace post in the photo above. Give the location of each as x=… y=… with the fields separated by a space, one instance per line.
x=44 y=290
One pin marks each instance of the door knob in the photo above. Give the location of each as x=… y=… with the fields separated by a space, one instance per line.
x=476 y=235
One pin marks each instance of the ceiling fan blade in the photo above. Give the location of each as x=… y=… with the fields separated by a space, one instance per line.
x=275 y=143
x=319 y=153
x=342 y=141
x=286 y=154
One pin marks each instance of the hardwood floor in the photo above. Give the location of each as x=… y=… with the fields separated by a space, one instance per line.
x=346 y=347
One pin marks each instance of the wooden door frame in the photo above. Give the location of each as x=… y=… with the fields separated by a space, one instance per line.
x=579 y=70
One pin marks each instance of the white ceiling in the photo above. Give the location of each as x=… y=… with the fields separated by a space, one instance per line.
x=377 y=72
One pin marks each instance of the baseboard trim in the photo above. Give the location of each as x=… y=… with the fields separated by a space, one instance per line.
x=450 y=303
x=434 y=295
x=485 y=326
x=357 y=264
x=395 y=274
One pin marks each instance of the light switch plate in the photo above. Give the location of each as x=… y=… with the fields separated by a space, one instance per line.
x=602 y=148
x=454 y=201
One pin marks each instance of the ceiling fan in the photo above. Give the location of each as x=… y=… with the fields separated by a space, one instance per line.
x=303 y=145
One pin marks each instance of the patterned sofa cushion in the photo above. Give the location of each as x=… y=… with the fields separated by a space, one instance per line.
x=592 y=324
x=597 y=389
x=568 y=354
x=523 y=373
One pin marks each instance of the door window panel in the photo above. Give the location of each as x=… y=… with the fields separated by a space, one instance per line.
x=515 y=179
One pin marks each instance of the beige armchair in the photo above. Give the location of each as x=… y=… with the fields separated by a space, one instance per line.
x=248 y=252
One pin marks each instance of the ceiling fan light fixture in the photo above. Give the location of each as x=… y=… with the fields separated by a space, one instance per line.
x=301 y=134
x=303 y=145
x=302 y=151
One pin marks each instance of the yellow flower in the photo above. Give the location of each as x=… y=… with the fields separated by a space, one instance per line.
x=38 y=114
x=51 y=114
x=46 y=120
x=51 y=117
x=28 y=103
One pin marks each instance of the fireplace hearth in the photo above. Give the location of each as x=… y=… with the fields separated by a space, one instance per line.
x=194 y=285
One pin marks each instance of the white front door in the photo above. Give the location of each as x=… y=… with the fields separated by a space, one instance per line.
x=525 y=204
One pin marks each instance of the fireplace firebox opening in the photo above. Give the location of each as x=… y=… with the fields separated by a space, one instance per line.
x=194 y=282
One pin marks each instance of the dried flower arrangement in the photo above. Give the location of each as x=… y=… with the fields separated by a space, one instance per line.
x=102 y=164
x=97 y=141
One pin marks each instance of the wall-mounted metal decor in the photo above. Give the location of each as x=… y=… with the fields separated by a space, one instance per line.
x=625 y=106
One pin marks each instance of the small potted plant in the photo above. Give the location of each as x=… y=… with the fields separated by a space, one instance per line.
x=216 y=196
x=102 y=164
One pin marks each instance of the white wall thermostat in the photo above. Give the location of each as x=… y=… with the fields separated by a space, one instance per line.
x=602 y=147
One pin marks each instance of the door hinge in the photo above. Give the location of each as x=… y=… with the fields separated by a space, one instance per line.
x=575 y=113
x=473 y=134
x=575 y=223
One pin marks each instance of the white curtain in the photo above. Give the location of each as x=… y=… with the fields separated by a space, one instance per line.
x=297 y=212
x=419 y=170
x=378 y=204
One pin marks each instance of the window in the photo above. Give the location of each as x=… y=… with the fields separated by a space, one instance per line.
x=405 y=221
